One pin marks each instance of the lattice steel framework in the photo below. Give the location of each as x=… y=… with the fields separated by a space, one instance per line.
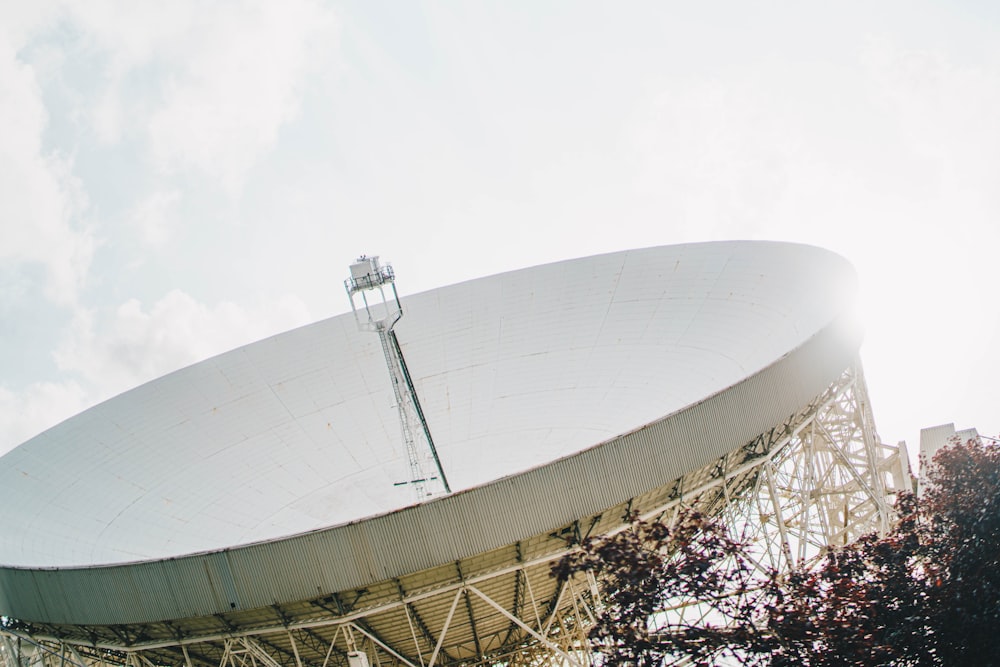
x=821 y=478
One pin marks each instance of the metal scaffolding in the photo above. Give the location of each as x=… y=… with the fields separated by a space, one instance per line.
x=821 y=478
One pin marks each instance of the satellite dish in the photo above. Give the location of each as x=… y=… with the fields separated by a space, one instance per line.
x=266 y=476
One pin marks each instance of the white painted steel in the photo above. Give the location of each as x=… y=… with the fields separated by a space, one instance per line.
x=605 y=376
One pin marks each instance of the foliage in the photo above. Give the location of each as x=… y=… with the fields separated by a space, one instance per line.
x=961 y=512
x=652 y=567
x=927 y=593
x=863 y=605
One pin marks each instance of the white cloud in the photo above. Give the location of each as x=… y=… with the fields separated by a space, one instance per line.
x=137 y=344
x=152 y=217
x=19 y=19
x=947 y=111
x=712 y=156
x=103 y=357
x=939 y=331
x=106 y=115
x=226 y=76
x=35 y=408
x=41 y=199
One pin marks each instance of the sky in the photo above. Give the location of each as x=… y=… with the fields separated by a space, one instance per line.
x=181 y=178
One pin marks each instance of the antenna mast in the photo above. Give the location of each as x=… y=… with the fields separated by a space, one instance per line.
x=371 y=278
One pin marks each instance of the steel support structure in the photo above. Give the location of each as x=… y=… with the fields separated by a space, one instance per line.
x=822 y=478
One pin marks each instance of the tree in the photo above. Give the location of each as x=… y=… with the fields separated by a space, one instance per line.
x=864 y=604
x=927 y=593
x=650 y=572
x=961 y=514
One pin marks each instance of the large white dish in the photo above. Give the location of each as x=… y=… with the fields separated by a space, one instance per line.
x=601 y=377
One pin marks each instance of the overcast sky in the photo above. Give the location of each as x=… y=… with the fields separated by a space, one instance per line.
x=179 y=178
